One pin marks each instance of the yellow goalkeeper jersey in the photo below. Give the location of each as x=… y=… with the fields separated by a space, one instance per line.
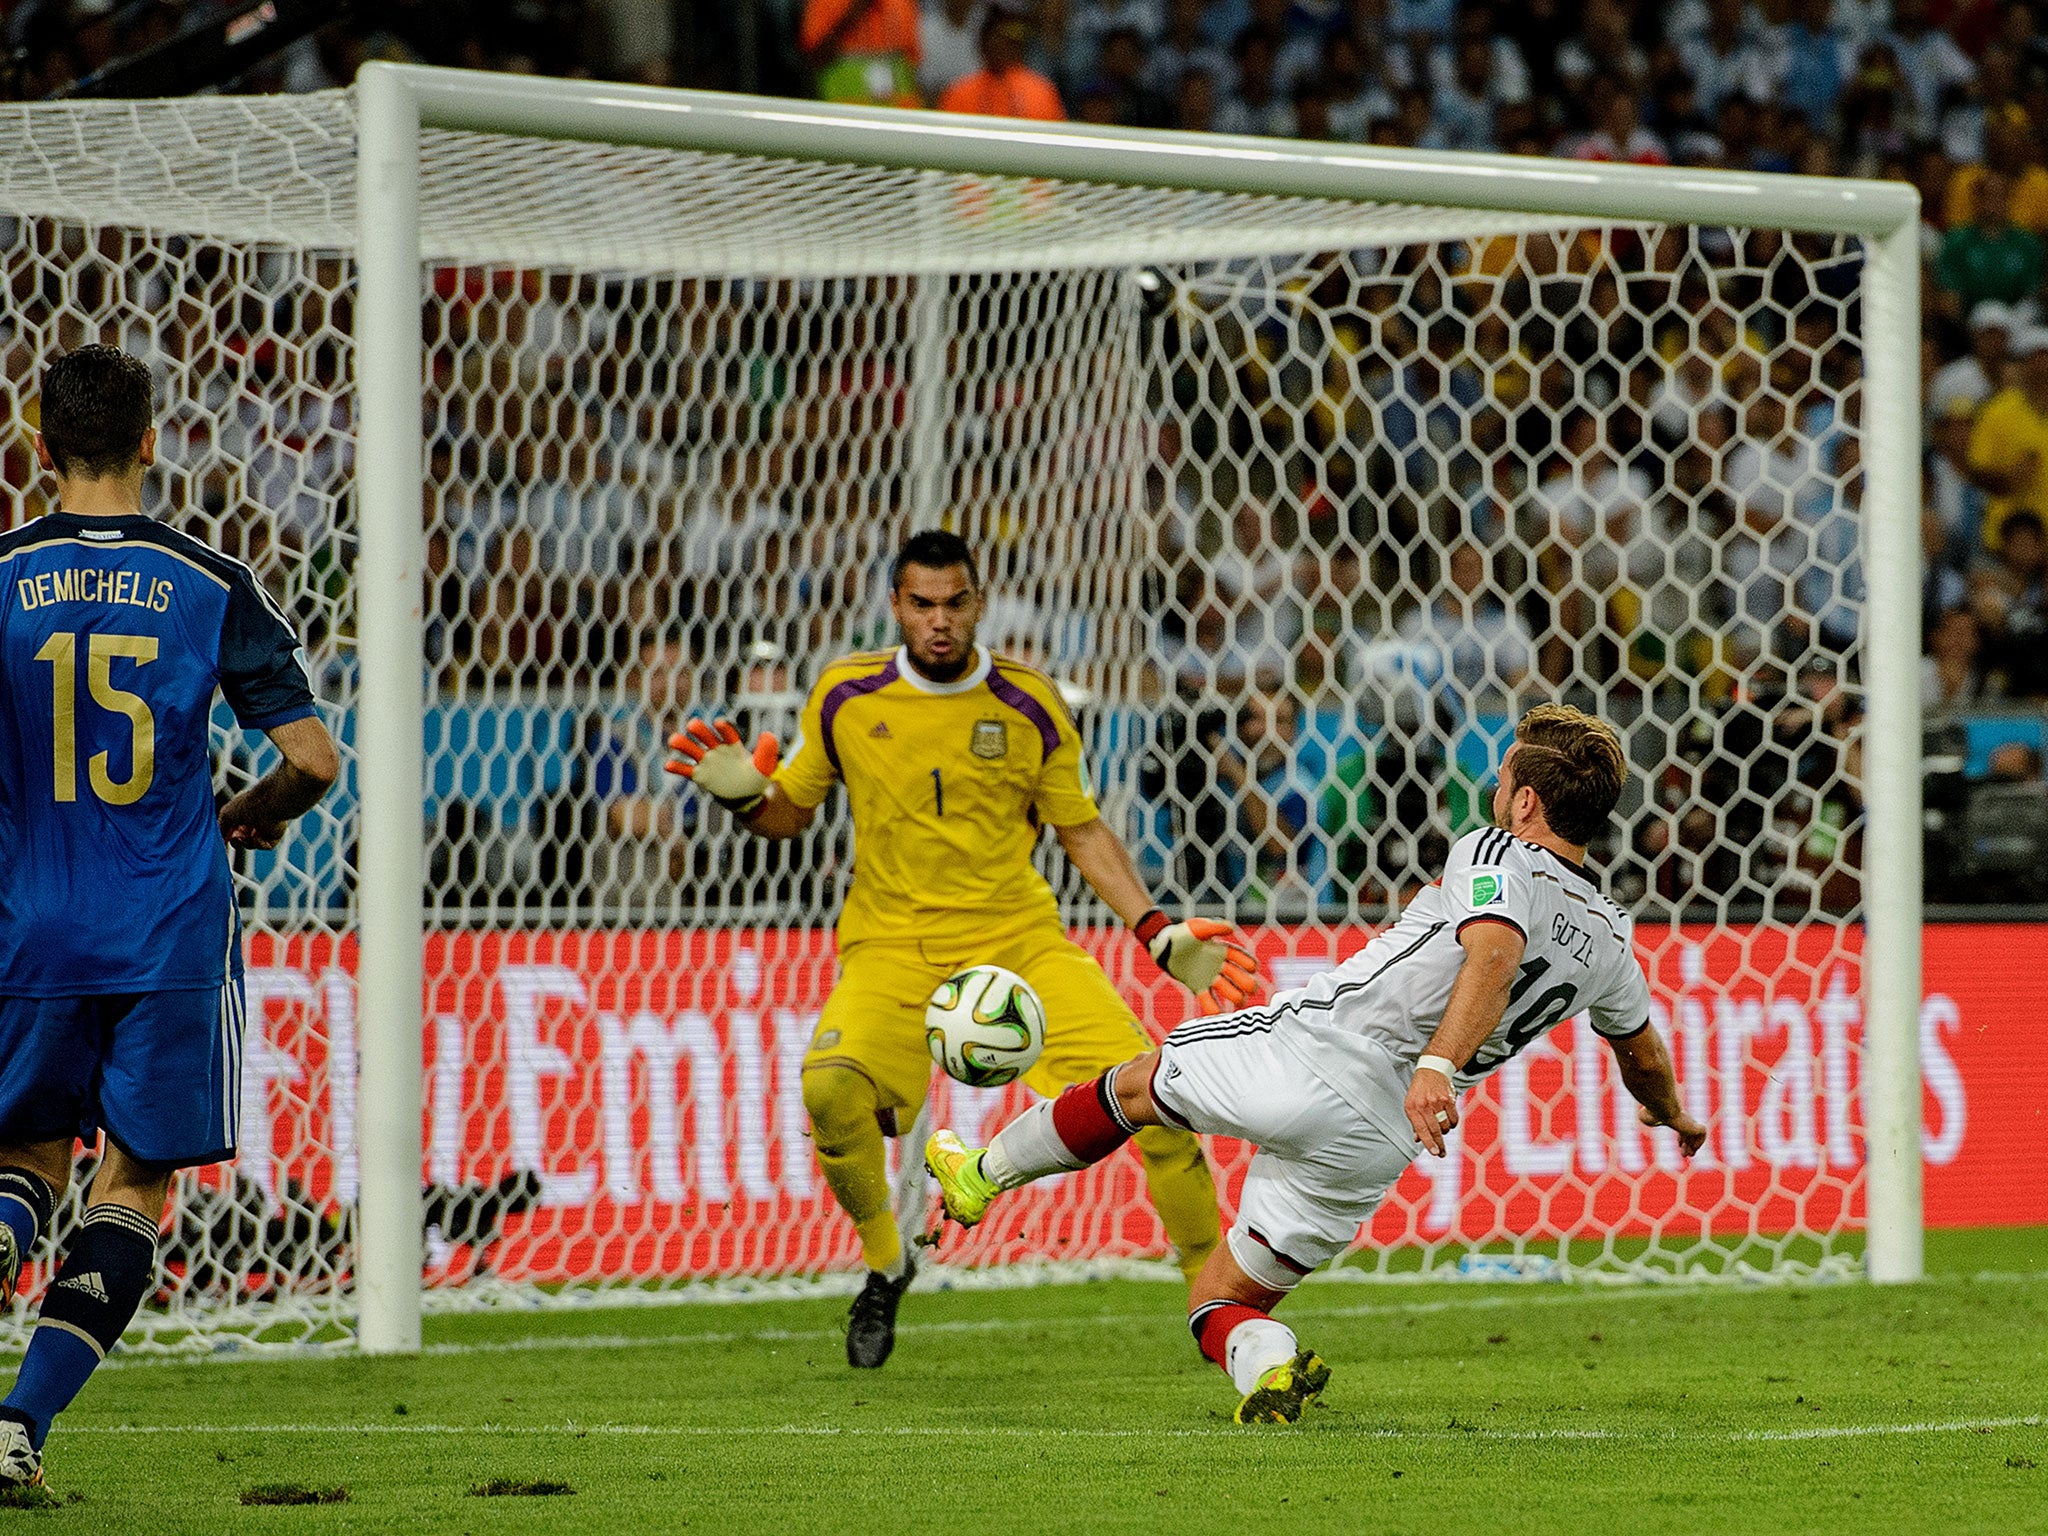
x=949 y=784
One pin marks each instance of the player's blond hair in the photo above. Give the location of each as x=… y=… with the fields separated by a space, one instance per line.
x=1576 y=765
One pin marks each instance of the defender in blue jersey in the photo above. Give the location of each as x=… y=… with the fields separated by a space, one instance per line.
x=120 y=961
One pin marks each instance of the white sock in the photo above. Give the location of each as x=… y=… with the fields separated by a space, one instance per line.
x=1254 y=1347
x=1028 y=1148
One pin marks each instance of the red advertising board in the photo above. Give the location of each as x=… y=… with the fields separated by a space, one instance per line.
x=649 y=1081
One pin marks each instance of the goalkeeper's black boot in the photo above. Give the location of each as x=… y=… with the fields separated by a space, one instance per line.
x=871 y=1325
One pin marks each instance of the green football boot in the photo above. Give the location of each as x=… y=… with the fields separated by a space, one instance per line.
x=1285 y=1391
x=964 y=1188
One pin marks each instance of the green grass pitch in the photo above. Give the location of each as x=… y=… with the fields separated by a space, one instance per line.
x=1526 y=1408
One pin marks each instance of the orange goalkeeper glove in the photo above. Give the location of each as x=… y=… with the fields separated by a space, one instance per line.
x=1197 y=953
x=713 y=759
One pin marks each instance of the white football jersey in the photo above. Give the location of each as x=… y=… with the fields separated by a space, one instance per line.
x=1387 y=1000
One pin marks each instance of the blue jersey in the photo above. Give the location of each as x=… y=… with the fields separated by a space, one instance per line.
x=114 y=633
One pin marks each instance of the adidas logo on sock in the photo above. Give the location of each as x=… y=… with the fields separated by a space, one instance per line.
x=881 y=731
x=88 y=1283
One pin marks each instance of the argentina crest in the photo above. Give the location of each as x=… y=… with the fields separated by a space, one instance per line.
x=991 y=740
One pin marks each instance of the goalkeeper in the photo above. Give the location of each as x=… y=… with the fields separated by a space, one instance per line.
x=952 y=759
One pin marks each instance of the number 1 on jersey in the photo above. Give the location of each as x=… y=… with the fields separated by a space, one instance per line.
x=61 y=652
x=939 y=792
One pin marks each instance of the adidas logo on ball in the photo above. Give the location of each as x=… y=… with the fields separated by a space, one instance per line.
x=985 y=1026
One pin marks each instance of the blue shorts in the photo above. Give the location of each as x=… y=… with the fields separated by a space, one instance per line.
x=160 y=1072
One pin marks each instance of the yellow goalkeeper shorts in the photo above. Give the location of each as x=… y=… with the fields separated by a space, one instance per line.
x=874 y=1019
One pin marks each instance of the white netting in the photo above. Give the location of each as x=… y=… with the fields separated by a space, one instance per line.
x=1298 y=499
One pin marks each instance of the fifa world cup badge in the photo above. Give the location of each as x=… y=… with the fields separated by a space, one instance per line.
x=991 y=740
x=1485 y=890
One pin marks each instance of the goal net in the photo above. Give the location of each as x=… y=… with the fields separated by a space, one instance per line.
x=1299 y=500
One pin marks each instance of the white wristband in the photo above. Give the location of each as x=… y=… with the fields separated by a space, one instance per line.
x=1437 y=1064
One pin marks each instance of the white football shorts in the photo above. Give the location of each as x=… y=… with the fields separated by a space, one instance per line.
x=1321 y=1167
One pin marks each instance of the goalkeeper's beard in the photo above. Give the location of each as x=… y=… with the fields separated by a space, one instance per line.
x=949 y=670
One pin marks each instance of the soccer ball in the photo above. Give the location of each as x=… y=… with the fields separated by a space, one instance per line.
x=985 y=1026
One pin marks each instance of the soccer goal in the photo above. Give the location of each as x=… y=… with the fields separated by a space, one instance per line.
x=556 y=411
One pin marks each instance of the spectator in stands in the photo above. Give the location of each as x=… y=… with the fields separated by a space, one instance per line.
x=1990 y=257
x=1255 y=104
x=2008 y=597
x=1194 y=107
x=2013 y=149
x=1951 y=673
x=1676 y=116
x=1954 y=501
x=2009 y=444
x=1971 y=110
x=1464 y=105
x=1184 y=45
x=1506 y=72
x=1929 y=62
x=1875 y=118
x=1357 y=99
x=1980 y=373
x=624 y=754
x=1311 y=106
x=862 y=50
x=1773 y=464
x=1005 y=86
x=1724 y=58
x=949 y=44
x=1091 y=23
x=1808 y=62
x=1603 y=43
x=1588 y=495
x=1119 y=80
x=1620 y=135
x=2020 y=30
x=1413 y=124
x=1486 y=648
x=1275 y=787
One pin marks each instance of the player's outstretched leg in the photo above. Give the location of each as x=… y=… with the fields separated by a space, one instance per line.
x=1083 y=1125
x=106 y=1273
x=848 y=1139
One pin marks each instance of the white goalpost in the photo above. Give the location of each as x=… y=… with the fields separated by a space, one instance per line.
x=557 y=410
x=395 y=102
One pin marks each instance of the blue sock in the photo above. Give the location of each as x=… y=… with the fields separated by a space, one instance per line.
x=54 y=1371
x=26 y=1203
x=104 y=1277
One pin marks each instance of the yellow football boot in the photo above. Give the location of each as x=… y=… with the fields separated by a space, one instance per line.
x=964 y=1188
x=1285 y=1391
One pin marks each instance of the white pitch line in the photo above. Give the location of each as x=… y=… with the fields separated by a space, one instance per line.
x=1021 y=1432
x=1858 y=1431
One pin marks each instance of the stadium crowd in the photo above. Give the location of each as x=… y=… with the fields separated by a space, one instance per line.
x=1610 y=465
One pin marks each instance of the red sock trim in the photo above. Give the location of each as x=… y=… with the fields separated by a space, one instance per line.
x=1217 y=1322
x=1085 y=1125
